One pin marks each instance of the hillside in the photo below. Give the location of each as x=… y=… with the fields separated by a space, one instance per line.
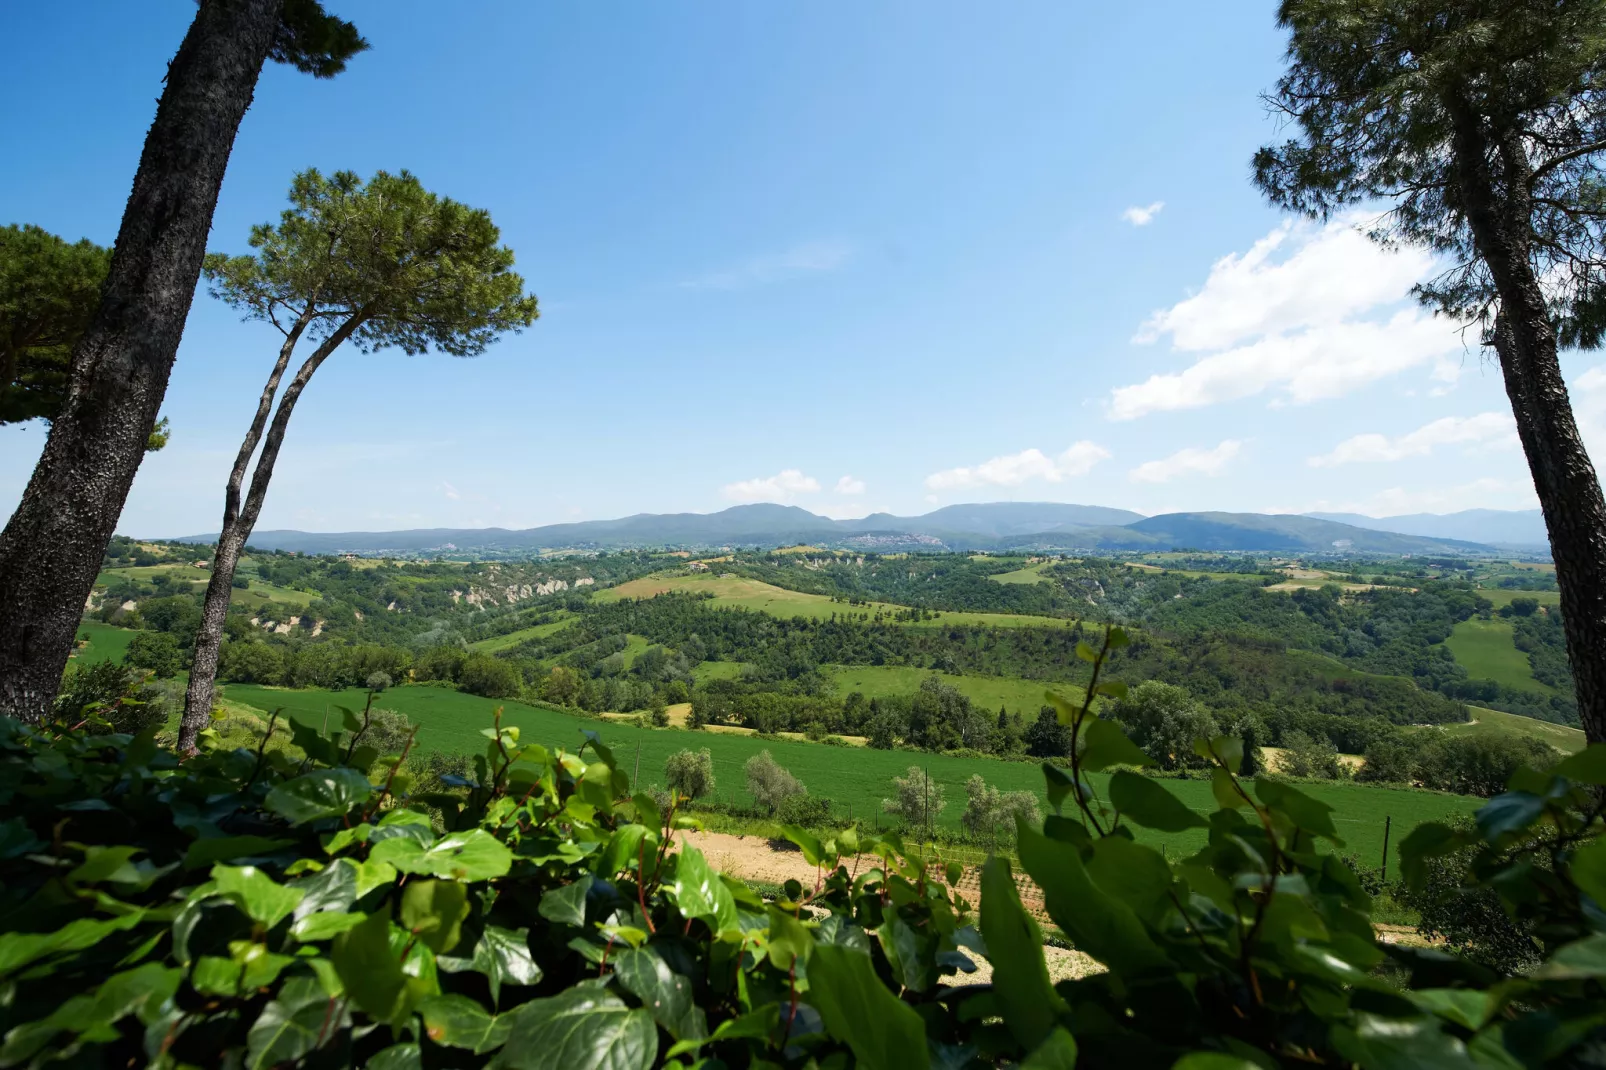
x=1523 y=528
x=987 y=526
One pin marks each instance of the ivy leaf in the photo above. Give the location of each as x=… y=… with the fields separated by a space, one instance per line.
x=285 y=1032
x=1027 y=998
x=459 y=1022
x=256 y=893
x=580 y=1029
x=203 y=853
x=666 y=994
x=332 y=888
x=884 y=1032
x=1104 y=744
x=501 y=955
x=320 y=794
x=1150 y=805
x=434 y=912
x=1056 y=1052
x=369 y=970
x=475 y=855
x=567 y=904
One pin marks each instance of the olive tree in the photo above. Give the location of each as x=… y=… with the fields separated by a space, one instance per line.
x=1481 y=124
x=382 y=264
x=51 y=548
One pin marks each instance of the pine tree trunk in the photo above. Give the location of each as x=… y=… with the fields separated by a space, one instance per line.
x=52 y=547
x=1492 y=174
x=237 y=528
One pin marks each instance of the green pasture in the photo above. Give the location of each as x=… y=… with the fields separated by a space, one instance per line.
x=1502 y=596
x=1029 y=574
x=257 y=595
x=855 y=780
x=106 y=643
x=1484 y=649
x=1487 y=722
x=735 y=592
x=513 y=639
x=719 y=670
x=988 y=692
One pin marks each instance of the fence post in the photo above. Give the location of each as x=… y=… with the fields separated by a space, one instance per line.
x=1387 y=821
x=635 y=779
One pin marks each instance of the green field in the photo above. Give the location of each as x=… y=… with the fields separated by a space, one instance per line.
x=1029 y=574
x=1502 y=596
x=854 y=780
x=719 y=670
x=734 y=592
x=988 y=692
x=106 y=643
x=253 y=597
x=1485 y=722
x=513 y=639
x=1483 y=648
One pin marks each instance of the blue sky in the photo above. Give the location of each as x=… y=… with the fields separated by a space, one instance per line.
x=848 y=256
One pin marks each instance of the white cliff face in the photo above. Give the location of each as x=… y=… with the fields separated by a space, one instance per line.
x=517 y=592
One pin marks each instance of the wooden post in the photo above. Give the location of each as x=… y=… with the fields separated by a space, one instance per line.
x=635 y=779
x=1387 y=821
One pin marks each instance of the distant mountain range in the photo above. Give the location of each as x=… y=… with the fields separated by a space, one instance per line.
x=1041 y=526
x=1524 y=528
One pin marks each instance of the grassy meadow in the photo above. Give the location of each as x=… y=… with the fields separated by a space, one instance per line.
x=1484 y=722
x=987 y=692
x=1029 y=574
x=1485 y=649
x=854 y=780
x=735 y=592
x=513 y=639
x=106 y=643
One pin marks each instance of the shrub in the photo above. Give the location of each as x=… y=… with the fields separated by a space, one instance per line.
x=916 y=799
x=660 y=715
x=806 y=811
x=990 y=814
x=769 y=783
x=1479 y=764
x=690 y=773
x=157 y=651
x=490 y=677
x=1306 y=755
x=1390 y=760
x=116 y=694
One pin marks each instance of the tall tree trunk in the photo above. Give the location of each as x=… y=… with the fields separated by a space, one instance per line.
x=1500 y=214
x=239 y=520
x=52 y=547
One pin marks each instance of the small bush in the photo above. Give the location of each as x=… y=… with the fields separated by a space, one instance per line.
x=1306 y=755
x=769 y=783
x=690 y=773
x=990 y=814
x=917 y=799
x=809 y=811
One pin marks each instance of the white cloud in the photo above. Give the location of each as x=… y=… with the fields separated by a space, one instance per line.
x=451 y=491
x=1189 y=461
x=1591 y=380
x=1486 y=428
x=781 y=487
x=1294 y=324
x=1142 y=217
x=849 y=485
x=1011 y=470
x=808 y=258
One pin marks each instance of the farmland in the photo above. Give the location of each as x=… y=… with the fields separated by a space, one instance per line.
x=1485 y=721
x=988 y=692
x=106 y=643
x=513 y=639
x=734 y=592
x=1485 y=648
x=1029 y=574
x=853 y=780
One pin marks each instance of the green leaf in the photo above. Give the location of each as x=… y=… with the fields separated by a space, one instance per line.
x=580 y=1029
x=1588 y=870
x=1144 y=801
x=807 y=842
x=475 y=855
x=322 y=793
x=1030 y=1005
x=20 y=949
x=1464 y=1006
x=1511 y=812
x=227 y=848
x=17 y=839
x=1400 y=1044
x=369 y=970
x=313 y=743
x=1426 y=841
x=1588 y=766
x=1223 y=788
x=666 y=994
x=256 y=893
x=884 y=1032
x=624 y=849
x=397 y=1057
x=434 y=912
x=501 y=955
x=332 y=888
x=1213 y=1060
x=789 y=939
x=566 y=904
x=1096 y=922
x=1578 y=960
x=1303 y=811
x=1104 y=744
x=1132 y=874
x=459 y=1022
x=699 y=893
x=285 y=1032
x=324 y=925
x=1059 y=785
x=1227 y=751
x=1056 y=1052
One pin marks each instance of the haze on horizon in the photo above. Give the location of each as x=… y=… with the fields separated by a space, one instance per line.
x=857 y=261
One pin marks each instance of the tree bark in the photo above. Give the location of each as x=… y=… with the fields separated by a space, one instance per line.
x=240 y=520
x=51 y=550
x=1500 y=216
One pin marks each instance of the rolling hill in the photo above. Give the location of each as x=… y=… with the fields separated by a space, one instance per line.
x=1523 y=528
x=1046 y=526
